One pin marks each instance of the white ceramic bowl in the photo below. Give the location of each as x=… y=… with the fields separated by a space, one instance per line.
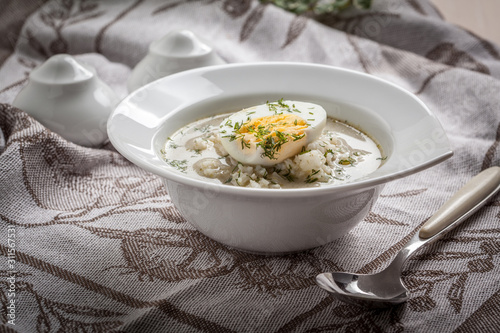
x=284 y=220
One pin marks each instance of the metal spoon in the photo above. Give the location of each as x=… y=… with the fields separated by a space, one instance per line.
x=385 y=288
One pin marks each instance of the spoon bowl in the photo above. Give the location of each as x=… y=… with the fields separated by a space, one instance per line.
x=385 y=288
x=345 y=285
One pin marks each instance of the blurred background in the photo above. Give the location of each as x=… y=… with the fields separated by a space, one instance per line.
x=479 y=16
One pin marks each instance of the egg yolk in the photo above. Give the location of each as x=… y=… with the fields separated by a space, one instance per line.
x=291 y=124
x=271 y=132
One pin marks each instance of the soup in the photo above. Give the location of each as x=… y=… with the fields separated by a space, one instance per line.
x=284 y=144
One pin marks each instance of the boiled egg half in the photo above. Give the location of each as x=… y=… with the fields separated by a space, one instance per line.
x=269 y=133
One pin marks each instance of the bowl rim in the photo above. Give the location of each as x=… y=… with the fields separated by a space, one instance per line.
x=364 y=183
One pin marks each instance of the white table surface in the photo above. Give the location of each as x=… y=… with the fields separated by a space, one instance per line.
x=479 y=16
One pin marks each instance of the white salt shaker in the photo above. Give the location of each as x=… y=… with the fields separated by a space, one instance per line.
x=177 y=51
x=68 y=98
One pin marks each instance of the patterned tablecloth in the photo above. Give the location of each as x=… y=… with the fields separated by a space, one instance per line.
x=99 y=246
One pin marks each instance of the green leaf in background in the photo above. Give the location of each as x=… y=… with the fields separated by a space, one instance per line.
x=318 y=6
x=362 y=4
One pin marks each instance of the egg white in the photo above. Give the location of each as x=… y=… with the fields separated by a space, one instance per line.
x=247 y=148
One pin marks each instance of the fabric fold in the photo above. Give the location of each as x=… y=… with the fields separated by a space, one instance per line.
x=100 y=247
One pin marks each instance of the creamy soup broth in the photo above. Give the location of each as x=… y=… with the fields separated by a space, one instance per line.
x=340 y=154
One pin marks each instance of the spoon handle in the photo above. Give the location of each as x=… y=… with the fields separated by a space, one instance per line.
x=463 y=203
x=472 y=196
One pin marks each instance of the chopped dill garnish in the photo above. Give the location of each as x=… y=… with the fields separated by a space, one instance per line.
x=272 y=144
x=203 y=129
x=272 y=107
x=180 y=165
x=237 y=126
x=348 y=161
x=282 y=104
x=288 y=176
x=303 y=151
x=310 y=178
x=231 y=137
x=244 y=144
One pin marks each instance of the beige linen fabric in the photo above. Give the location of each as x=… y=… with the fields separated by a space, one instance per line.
x=100 y=247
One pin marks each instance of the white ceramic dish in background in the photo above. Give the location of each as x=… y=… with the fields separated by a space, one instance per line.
x=284 y=220
x=177 y=51
x=68 y=98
